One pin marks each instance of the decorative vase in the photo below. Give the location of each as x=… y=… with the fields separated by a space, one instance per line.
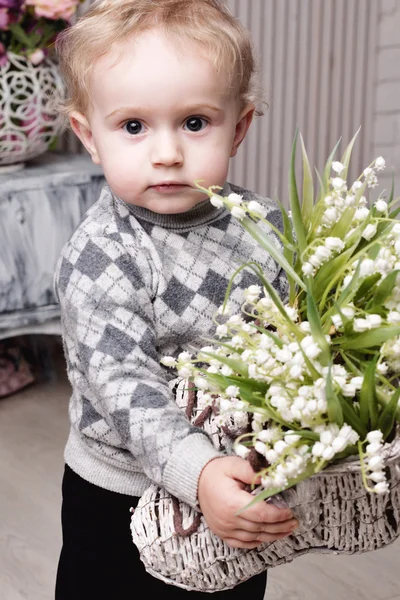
x=29 y=119
x=336 y=516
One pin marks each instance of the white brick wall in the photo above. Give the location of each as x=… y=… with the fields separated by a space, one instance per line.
x=386 y=138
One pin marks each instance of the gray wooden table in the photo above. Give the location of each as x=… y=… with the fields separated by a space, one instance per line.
x=40 y=207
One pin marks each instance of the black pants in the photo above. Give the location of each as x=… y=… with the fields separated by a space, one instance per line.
x=99 y=561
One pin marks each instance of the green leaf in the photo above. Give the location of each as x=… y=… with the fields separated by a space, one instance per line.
x=347 y=293
x=316 y=328
x=233 y=363
x=229 y=287
x=287 y=223
x=351 y=418
x=374 y=251
x=306 y=434
x=356 y=236
x=275 y=298
x=21 y=36
x=390 y=199
x=276 y=339
x=286 y=242
x=347 y=327
x=347 y=154
x=308 y=186
x=247 y=388
x=312 y=370
x=294 y=201
x=259 y=387
x=349 y=363
x=368 y=399
x=318 y=210
x=329 y=274
x=367 y=339
x=328 y=167
x=265 y=242
x=384 y=400
x=385 y=288
x=349 y=451
x=343 y=226
x=275 y=416
x=394 y=214
x=366 y=286
x=335 y=412
x=388 y=415
x=288 y=253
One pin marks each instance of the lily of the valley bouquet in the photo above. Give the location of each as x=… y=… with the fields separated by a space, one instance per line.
x=313 y=378
x=304 y=387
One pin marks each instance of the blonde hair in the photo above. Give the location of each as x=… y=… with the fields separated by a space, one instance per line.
x=108 y=23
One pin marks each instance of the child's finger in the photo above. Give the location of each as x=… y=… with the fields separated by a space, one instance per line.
x=263 y=512
x=241 y=539
x=255 y=533
x=258 y=528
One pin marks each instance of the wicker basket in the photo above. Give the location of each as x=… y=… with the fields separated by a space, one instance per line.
x=335 y=512
x=30 y=122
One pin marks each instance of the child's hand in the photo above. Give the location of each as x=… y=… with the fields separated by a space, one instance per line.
x=222 y=494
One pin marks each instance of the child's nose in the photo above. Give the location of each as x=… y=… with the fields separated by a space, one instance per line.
x=166 y=150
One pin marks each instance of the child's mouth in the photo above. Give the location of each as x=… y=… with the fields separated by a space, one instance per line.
x=168 y=188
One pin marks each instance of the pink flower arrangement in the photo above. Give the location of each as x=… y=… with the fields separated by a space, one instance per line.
x=53 y=9
x=30 y=27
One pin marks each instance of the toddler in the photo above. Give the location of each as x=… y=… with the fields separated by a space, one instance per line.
x=161 y=93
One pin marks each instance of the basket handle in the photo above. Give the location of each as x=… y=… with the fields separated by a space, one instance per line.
x=178 y=520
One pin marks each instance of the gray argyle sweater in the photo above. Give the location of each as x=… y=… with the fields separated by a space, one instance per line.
x=135 y=286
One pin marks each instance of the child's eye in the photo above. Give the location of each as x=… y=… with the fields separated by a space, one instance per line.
x=195 y=123
x=133 y=127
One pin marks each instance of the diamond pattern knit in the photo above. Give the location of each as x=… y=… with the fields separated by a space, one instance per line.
x=133 y=287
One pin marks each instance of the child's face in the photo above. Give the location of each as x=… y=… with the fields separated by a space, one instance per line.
x=161 y=118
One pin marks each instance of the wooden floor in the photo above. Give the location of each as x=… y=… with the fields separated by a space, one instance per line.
x=33 y=429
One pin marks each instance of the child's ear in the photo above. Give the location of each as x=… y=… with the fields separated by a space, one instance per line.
x=242 y=126
x=81 y=127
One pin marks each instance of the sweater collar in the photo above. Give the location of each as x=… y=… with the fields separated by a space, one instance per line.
x=201 y=214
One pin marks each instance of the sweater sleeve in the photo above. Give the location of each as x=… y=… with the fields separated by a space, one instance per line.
x=110 y=336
